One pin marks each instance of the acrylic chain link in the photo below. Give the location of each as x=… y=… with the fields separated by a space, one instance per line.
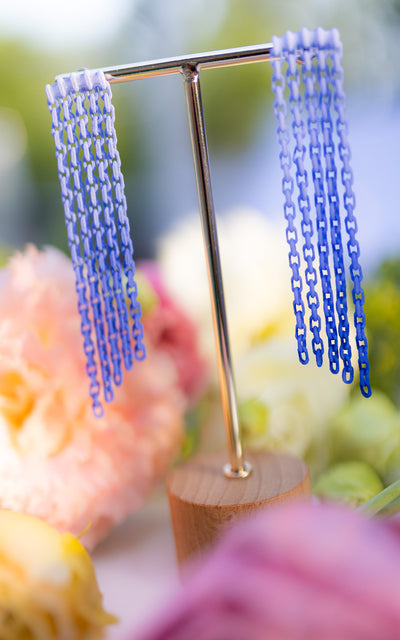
x=92 y=192
x=321 y=101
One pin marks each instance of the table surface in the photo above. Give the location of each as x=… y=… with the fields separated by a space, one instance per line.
x=136 y=567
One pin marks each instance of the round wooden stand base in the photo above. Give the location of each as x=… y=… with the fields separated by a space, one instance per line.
x=203 y=501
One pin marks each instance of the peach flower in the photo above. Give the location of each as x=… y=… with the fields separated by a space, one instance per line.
x=58 y=461
x=294 y=572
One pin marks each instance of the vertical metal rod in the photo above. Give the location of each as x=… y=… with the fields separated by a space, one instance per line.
x=237 y=467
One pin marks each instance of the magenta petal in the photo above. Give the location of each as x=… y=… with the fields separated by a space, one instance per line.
x=299 y=571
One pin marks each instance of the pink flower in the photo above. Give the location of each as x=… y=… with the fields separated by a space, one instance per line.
x=57 y=461
x=171 y=331
x=295 y=572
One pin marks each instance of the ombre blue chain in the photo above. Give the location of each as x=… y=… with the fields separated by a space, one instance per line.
x=303 y=199
x=334 y=217
x=315 y=57
x=349 y=201
x=92 y=192
x=289 y=209
x=309 y=78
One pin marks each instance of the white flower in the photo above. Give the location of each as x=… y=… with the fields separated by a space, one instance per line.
x=299 y=399
x=255 y=276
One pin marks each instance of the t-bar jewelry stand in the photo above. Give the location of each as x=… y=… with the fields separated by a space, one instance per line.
x=190 y=68
x=202 y=498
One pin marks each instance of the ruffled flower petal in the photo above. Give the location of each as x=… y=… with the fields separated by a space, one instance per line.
x=57 y=461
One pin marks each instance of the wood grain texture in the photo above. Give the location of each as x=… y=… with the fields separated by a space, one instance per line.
x=203 y=501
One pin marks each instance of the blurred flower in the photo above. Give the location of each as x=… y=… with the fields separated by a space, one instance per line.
x=299 y=400
x=283 y=404
x=170 y=331
x=47 y=583
x=351 y=483
x=255 y=274
x=294 y=572
x=370 y=432
x=57 y=461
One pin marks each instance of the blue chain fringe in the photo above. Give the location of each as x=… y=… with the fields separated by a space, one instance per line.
x=92 y=192
x=314 y=57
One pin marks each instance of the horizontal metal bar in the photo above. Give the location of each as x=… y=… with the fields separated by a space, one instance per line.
x=168 y=66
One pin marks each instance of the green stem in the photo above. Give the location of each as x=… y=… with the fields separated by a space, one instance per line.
x=384 y=504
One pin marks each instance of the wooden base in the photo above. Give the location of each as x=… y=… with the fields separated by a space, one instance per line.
x=203 y=501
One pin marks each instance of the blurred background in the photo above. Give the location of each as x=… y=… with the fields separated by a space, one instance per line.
x=41 y=39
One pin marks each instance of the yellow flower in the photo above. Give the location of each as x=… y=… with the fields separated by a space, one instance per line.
x=48 y=587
